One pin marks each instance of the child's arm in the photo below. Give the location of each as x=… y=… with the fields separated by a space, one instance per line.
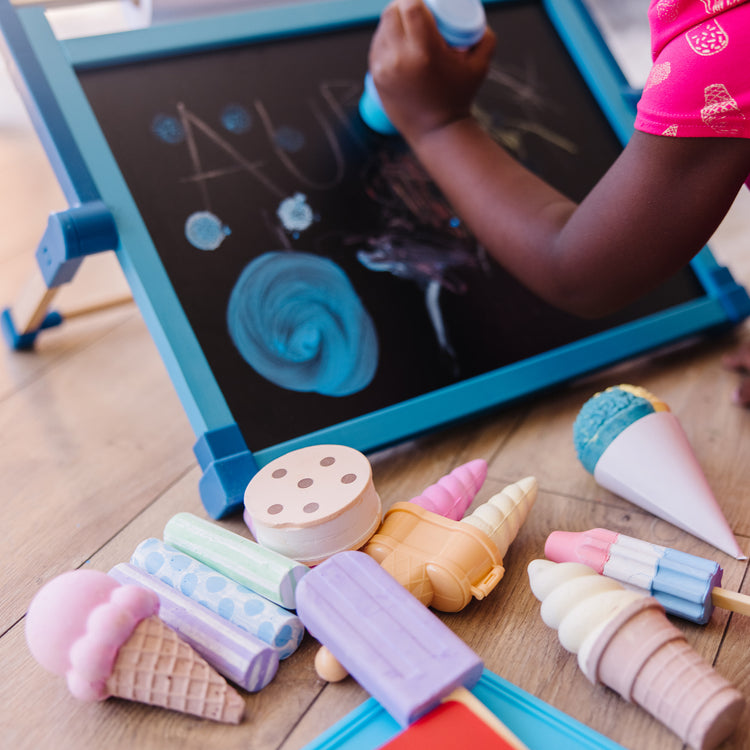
x=652 y=211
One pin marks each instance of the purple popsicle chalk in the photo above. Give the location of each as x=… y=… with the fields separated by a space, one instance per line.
x=398 y=650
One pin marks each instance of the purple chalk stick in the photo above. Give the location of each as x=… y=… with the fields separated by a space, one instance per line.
x=395 y=647
x=235 y=653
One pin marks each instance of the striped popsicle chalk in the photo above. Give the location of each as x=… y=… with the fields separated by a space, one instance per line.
x=238 y=655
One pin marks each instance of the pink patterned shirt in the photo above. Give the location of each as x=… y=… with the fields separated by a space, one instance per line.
x=699 y=85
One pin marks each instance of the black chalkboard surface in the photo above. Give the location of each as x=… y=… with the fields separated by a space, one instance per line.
x=254 y=157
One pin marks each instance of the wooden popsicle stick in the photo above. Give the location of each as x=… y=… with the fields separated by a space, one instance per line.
x=78 y=312
x=32 y=304
x=467 y=698
x=731 y=600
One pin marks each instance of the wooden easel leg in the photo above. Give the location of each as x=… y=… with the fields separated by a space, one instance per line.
x=32 y=304
x=31 y=312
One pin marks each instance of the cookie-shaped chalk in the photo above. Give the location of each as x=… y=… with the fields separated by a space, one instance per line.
x=313 y=502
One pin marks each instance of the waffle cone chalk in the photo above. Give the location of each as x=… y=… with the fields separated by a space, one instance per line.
x=107 y=640
x=636 y=447
x=624 y=640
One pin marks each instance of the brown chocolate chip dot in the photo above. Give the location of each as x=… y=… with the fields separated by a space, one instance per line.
x=311 y=508
x=328 y=461
x=274 y=509
x=348 y=478
x=304 y=483
x=279 y=473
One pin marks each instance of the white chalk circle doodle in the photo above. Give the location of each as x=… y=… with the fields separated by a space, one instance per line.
x=295 y=213
x=205 y=231
x=297 y=321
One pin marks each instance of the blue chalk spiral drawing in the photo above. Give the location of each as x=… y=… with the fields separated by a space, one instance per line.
x=297 y=321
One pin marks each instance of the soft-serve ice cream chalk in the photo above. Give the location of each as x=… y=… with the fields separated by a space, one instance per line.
x=107 y=640
x=624 y=640
x=636 y=447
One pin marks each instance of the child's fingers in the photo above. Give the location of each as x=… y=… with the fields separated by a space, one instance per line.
x=486 y=45
x=390 y=19
x=418 y=22
x=389 y=34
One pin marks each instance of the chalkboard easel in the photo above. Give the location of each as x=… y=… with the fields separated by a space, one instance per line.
x=303 y=279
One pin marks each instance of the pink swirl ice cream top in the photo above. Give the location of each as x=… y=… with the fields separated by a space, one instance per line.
x=77 y=623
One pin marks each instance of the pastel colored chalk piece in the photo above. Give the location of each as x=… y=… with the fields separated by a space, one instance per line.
x=446 y=563
x=328 y=667
x=246 y=609
x=624 y=640
x=685 y=585
x=396 y=648
x=107 y=640
x=452 y=494
x=636 y=447
x=238 y=655
x=502 y=516
x=313 y=502
x=250 y=564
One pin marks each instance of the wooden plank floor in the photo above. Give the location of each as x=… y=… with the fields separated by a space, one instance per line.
x=96 y=456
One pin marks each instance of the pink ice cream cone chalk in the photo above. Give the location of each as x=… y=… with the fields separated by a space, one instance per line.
x=107 y=640
x=624 y=640
x=451 y=495
x=636 y=447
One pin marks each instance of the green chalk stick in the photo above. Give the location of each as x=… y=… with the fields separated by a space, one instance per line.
x=248 y=563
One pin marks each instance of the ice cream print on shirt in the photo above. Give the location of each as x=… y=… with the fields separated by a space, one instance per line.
x=698 y=84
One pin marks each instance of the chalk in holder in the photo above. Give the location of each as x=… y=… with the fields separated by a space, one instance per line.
x=248 y=563
x=238 y=655
x=239 y=605
x=461 y=23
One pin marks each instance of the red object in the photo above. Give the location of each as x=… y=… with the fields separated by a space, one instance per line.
x=450 y=725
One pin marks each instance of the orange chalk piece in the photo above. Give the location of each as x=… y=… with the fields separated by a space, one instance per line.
x=443 y=563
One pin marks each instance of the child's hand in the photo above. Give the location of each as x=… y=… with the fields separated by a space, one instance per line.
x=739 y=361
x=424 y=83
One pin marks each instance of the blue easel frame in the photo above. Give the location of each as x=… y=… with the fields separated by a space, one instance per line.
x=103 y=215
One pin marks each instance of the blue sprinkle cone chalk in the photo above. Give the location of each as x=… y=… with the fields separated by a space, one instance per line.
x=636 y=448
